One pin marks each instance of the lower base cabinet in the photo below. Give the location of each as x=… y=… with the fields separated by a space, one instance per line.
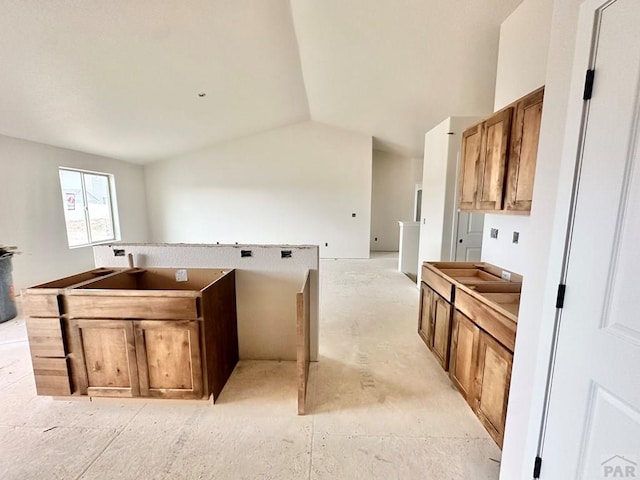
x=441 y=330
x=492 y=382
x=434 y=325
x=425 y=318
x=480 y=368
x=168 y=357
x=465 y=338
x=130 y=358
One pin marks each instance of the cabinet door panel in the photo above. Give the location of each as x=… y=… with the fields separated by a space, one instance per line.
x=106 y=352
x=169 y=362
x=493 y=159
x=524 y=152
x=492 y=383
x=442 y=331
x=470 y=158
x=425 y=320
x=464 y=355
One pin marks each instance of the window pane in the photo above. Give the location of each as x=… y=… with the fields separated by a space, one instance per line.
x=99 y=207
x=71 y=183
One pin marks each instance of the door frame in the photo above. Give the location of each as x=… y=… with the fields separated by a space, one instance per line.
x=569 y=53
x=597 y=6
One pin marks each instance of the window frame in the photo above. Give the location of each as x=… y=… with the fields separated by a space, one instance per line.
x=113 y=213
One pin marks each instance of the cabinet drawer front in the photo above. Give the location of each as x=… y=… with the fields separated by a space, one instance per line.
x=51 y=376
x=45 y=337
x=40 y=304
x=489 y=320
x=443 y=287
x=121 y=306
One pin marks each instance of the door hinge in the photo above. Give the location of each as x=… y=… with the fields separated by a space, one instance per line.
x=537 y=466
x=560 y=298
x=588 y=84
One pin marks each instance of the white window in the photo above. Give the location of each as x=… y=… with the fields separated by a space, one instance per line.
x=87 y=198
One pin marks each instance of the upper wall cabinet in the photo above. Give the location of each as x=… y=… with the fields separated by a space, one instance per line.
x=524 y=152
x=493 y=159
x=468 y=186
x=499 y=158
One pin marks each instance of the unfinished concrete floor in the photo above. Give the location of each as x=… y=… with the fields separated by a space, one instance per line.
x=381 y=407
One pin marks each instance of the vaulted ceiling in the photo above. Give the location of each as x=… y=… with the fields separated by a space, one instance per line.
x=122 y=78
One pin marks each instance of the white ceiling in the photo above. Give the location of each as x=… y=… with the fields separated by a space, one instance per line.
x=121 y=78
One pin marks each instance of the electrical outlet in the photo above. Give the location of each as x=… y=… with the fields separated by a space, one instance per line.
x=516 y=237
x=494 y=233
x=506 y=275
x=118 y=252
x=181 y=276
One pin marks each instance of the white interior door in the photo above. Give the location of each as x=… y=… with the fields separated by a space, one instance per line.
x=593 y=422
x=469 y=237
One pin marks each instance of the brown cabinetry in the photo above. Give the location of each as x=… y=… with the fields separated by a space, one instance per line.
x=434 y=319
x=106 y=355
x=139 y=332
x=441 y=330
x=498 y=160
x=493 y=158
x=168 y=358
x=425 y=316
x=464 y=355
x=524 y=152
x=44 y=307
x=470 y=160
x=473 y=335
x=493 y=379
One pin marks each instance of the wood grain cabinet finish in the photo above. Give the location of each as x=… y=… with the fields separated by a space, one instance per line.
x=135 y=332
x=465 y=336
x=493 y=159
x=44 y=308
x=470 y=161
x=474 y=334
x=497 y=166
x=106 y=354
x=493 y=379
x=425 y=316
x=168 y=358
x=434 y=323
x=441 y=330
x=524 y=152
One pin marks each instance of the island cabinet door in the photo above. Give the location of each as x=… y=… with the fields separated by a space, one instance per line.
x=492 y=385
x=465 y=337
x=169 y=362
x=104 y=351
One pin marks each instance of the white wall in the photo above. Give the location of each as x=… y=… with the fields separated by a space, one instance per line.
x=298 y=184
x=31 y=210
x=439 y=187
x=266 y=288
x=392 y=197
x=522 y=67
x=541 y=254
